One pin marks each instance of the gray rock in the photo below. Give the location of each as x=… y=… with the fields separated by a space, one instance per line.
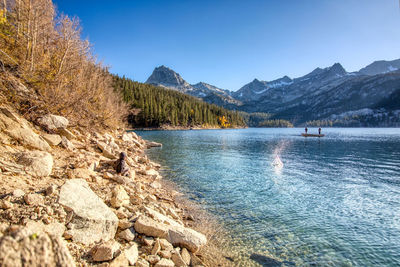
x=34 y=199
x=18 y=129
x=68 y=134
x=36 y=163
x=150 y=227
x=142 y=263
x=51 y=189
x=53 y=122
x=132 y=254
x=105 y=251
x=185 y=256
x=18 y=193
x=52 y=139
x=65 y=143
x=127 y=235
x=165 y=263
x=177 y=259
x=119 y=197
x=92 y=220
x=107 y=150
x=34 y=249
x=186 y=237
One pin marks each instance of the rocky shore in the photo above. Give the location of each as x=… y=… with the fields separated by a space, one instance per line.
x=63 y=204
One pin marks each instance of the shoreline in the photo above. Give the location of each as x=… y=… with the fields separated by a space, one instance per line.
x=43 y=197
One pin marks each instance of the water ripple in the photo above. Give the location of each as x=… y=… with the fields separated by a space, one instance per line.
x=335 y=201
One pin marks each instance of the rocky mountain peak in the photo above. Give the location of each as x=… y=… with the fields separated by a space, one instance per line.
x=163 y=75
x=380 y=67
x=337 y=68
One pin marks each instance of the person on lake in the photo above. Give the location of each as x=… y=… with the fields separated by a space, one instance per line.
x=306 y=129
x=319 y=131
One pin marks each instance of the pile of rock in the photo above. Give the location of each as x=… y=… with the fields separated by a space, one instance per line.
x=73 y=208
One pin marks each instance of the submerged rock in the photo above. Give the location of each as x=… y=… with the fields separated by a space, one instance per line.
x=92 y=220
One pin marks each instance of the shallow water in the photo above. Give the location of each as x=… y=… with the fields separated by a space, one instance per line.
x=334 y=201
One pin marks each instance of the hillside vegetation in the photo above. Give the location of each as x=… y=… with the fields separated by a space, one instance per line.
x=154 y=106
x=43 y=51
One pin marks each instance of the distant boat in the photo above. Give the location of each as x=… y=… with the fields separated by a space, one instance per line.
x=312 y=135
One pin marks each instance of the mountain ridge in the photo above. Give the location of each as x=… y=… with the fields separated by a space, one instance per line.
x=318 y=95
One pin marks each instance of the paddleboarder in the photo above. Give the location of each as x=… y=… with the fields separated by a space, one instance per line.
x=306 y=129
x=319 y=131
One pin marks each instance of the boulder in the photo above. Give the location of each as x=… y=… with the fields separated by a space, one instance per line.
x=142 y=263
x=165 y=244
x=153 y=259
x=119 y=261
x=18 y=128
x=134 y=135
x=177 y=259
x=27 y=248
x=185 y=256
x=52 y=139
x=165 y=263
x=34 y=199
x=153 y=144
x=51 y=189
x=126 y=137
x=35 y=227
x=119 y=197
x=92 y=220
x=105 y=251
x=186 y=237
x=66 y=133
x=165 y=254
x=161 y=218
x=5 y=204
x=36 y=163
x=127 y=235
x=156 y=248
x=68 y=145
x=132 y=254
x=107 y=150
x=81 y=173
x=53 y=122
x=150 y=227
x=18 y=193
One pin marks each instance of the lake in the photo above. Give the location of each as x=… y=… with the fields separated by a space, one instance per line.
x=288 y=200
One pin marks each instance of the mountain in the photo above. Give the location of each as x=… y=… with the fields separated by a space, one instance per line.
x=255 y=89
x=324 y=94
x=382 y=66
x=165 y=77
x=328 y=94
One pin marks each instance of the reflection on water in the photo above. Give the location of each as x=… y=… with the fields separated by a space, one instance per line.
x=290 y=200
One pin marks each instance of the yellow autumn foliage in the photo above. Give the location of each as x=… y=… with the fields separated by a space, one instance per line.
x=47 y=53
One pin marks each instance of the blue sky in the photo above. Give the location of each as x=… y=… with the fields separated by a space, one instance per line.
x=229 y=43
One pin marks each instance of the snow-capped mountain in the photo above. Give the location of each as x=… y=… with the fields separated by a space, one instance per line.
x=382 y=66
x=324 y=93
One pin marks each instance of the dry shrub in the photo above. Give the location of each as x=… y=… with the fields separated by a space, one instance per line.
x=47 y=53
